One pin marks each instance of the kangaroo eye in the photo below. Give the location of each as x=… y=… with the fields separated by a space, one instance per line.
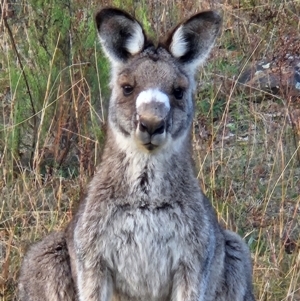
x=127 y=90
x=178 y=93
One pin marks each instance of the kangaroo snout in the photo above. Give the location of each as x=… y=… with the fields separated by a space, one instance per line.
x=151 y=130
x=153 y=107
x=152 y=125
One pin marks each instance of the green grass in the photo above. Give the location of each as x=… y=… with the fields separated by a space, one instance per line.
x=53 y=98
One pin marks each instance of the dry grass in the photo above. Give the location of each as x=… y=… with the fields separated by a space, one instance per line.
x=53 y=98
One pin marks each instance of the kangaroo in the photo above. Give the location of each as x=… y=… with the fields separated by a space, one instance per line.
x=145 y=230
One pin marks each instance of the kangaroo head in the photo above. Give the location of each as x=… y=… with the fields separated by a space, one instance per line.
x=151 y=106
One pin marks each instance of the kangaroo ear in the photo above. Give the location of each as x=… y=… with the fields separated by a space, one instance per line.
x=191 y=41
x=121 y=36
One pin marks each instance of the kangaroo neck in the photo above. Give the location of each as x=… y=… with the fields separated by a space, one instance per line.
x=149 y=175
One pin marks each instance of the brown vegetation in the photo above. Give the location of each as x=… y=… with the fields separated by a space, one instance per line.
x=53 y=94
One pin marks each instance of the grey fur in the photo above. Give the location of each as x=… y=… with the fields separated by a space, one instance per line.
x=145 y=231
x=45 y=273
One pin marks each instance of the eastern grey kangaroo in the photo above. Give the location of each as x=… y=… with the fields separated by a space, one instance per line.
x=145 y=231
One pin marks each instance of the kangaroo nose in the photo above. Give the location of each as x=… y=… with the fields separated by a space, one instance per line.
x=151 y=125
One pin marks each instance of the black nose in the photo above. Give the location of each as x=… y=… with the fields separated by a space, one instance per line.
x=151 y=125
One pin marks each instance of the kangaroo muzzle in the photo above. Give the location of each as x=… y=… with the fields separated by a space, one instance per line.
x=153 y=107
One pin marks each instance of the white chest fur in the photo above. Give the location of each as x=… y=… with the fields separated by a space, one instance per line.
x=145 y=251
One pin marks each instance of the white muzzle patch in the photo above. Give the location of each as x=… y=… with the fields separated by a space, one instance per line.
x=152 y=95
x=153 y=107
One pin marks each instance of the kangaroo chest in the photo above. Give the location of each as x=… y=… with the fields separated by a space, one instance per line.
x=147 y=246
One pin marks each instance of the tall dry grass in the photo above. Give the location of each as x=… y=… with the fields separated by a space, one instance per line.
x=53 y=97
